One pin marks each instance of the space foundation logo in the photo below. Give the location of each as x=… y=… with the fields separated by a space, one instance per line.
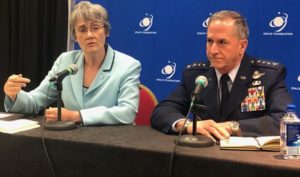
x=296 y=88
x=145 y=25
x=168 y=72
x=278 y=24
x=204 y=25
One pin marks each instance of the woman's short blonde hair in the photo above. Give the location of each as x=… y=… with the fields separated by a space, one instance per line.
x=89 y=11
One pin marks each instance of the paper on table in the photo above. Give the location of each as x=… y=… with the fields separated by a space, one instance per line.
x=18 y=125
x=5 y=115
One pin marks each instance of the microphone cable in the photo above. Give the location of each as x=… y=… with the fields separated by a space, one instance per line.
x=43 y=136
x=170 y=173
x=43 y=125
x=201 y=82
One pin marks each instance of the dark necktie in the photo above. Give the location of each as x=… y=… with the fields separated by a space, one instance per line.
x=224 y=92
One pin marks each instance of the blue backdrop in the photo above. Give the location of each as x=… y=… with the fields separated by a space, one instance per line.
x=167 y=35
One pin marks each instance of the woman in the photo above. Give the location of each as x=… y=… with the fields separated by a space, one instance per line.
x=103 y=91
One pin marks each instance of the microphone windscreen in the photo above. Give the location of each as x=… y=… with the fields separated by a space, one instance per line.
x=202 y=80
x=74 y=68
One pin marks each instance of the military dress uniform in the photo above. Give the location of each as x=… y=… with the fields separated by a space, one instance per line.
x=257 y=99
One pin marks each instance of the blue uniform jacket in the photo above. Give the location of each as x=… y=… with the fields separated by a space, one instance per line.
x=112 y=98
x=257 y=112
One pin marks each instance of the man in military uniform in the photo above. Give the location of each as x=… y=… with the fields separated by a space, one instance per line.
x=251 y=100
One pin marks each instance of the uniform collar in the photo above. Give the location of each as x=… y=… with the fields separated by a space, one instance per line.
x=232 y=74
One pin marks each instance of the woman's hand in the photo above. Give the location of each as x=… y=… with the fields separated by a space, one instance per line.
x=66 y=115
x=14 y=85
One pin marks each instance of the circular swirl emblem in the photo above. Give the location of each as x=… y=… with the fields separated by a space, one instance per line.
x=146 y=22
x=279 y=22
x=169 y=70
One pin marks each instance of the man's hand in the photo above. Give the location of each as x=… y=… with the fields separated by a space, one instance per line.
x=208 y=128
x=14 y=84
x=227 y=126
x=212 y=129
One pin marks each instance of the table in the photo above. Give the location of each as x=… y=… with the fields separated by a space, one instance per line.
x=128 y=150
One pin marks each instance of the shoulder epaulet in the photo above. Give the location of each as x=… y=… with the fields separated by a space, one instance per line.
x=265 y=63
x=199 y=65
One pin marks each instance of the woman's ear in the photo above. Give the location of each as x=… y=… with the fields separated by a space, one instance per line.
x=74 y=36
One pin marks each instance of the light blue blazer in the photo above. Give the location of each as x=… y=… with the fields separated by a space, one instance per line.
x=112 y=98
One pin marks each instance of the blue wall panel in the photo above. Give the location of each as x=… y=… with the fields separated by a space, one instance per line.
x=166 y=35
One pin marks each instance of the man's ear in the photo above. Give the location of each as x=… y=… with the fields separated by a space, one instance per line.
x=243 y=46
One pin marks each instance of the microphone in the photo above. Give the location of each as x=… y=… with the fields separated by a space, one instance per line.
x=195 y=140
x=70 y=70
x=60 y=125
x=201 y=82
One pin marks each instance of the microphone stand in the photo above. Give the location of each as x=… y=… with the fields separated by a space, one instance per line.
x=59 y=125
x=59 y=100
x=191 y=140
x=195 y=140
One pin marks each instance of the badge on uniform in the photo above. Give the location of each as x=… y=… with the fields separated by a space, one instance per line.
x=257 y=75
x=255 y=101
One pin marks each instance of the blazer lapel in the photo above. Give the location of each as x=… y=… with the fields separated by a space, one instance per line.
x=209 y=94
x=104 y=72
x=240 y=87
x=100 y=79
x=77 y=80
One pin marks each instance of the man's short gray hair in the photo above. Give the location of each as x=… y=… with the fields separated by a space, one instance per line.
x=240 y=21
